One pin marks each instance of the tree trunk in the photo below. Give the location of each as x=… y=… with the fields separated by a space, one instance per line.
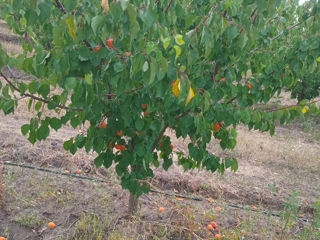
x=133 y=204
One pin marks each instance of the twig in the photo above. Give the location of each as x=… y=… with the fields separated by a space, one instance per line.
x=126 y=92
x=290 y=106
x=35 y=97
x=204 y=21
x=60 y=5
x=279 y=35
x=167 y=8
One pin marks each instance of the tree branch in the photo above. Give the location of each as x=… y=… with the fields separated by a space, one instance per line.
x=60 y=5
x=279 y=35
x=35 y=97
x=290 y=106
x=167 y=8
x=204 y=21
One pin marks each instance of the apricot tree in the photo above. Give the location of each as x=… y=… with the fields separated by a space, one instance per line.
x=132 y=69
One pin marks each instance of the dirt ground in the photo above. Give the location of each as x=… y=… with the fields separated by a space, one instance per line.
x=270 y=169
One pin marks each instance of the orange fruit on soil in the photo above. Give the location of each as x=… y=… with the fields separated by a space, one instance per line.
x=144 y=106
x=217 y=236
x=2 y=238
x=79 y=171
x=51 y=225
x=219 y=209
x=161 y=209
x=214 y=224
x=254 y=207
x=244 y=233
x=66 y=171
x=119 y=133
x=209 y=227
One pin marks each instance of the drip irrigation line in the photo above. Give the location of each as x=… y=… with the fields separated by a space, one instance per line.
x=151 y=190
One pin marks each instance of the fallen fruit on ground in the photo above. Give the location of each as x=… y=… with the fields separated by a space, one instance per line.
x=51 y=225
x=2 y=238
x=209 y=227
x=219 y=209
x=66 y=171
x=79 y=171
x=161 y=209
x=244 y=233
x=254 y=207
x=217 y=236
x=214 y=224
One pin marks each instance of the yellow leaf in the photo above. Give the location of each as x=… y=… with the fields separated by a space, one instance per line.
x=304 y=110
x=176 y=88
x=318 y=59
x=105 y=5
x=178 y=50
x=210 y=200
x=190 y=96
x=71 y=25
x=179 y=39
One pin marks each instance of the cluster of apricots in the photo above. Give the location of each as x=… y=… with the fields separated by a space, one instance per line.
x=211 y=227
x=217 y=126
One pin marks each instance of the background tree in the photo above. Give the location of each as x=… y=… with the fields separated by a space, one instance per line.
x=132 y=69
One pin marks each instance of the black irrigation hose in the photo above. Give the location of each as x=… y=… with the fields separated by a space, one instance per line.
x=154 y=191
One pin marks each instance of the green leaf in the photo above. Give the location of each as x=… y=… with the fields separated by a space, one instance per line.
x=153 y=69
x=25 y=129
x=3 y=58
x=96 y=23
x=44 y=90
x=43 y=132
x=145 y=66
x=139 y=123
x=70 y=83
x=118 y=67
x=67 y=144
x=55 y=123
x=38 y=106
x=318 y=59
x=124 y=4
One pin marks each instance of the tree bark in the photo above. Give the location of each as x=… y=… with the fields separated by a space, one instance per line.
x=133 y=204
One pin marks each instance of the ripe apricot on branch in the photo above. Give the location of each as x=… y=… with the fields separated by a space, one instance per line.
x=96 y=48
x=119 y=133
x=144 y=106
x=102 y=125
x=249 y=86
x=137 y=133
x=222 y=80
x=216 y=127
x=171 y=146
x=146 y=113
x=110 y=43
x=128 y=54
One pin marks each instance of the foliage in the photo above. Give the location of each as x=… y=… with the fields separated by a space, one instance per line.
x=198 y=67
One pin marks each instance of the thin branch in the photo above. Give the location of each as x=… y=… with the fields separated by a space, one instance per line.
x=215 y=72
x=160 y=136
x=35 y=97
x=167 y=8
x=183 y=115
x=204 y=20
x=126 y=92
x=279 y=35
x=60 y=5
x=290 y=106
x=231 y=100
